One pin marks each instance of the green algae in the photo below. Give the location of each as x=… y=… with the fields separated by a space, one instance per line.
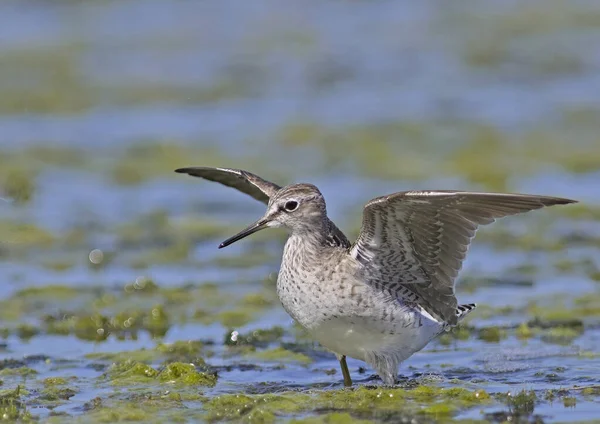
x=26 y=331
x=256 y=338
x=12 y=408
x=99 y=327
x=460 y=332
x=521 y=403
x=524 y=331
x=149 y=159
x=590 y=391
x=122 y=413
x=187 y=350
x=54 y=381
x=18 y=372
x=232 y=407
x=143 y=406
x=131 y=372
x=279 y=354
x=492 y=334
x=331 y=418
x=19 y=235
x=235 y=318
x=18 y=185
x=186 y=374
x=54 y=394
x=96 y=313
x=557 y=310
x=361 y=402
x=259 y=300
x=141 y=355
x=560 y=335
x=252 y=257
x=569 y=401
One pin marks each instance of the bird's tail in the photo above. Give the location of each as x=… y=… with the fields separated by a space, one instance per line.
x=464 y=310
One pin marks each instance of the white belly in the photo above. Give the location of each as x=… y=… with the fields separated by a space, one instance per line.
x=359 y=337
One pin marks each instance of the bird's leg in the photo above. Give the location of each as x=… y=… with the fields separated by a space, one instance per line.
x=345 y=372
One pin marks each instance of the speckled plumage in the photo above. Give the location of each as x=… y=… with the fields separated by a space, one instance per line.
x=390 y=293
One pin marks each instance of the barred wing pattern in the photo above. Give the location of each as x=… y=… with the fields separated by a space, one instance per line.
x=418 y=240
x=244 y=181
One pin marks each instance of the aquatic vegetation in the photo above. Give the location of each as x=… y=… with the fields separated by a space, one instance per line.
x=331 y=418
x=257 y=338
x=235 y=318
x=18 y=372
x=180 y=373
x=360 y=403
x=21 y=236
x=165 y=328
x=280 y=354
x=492 y=334
x=149 y=159
x=188 y=350
x=12 y=408
x=131 y=372
x=18 y=185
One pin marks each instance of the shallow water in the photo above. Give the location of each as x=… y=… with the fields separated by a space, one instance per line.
x=102 y=100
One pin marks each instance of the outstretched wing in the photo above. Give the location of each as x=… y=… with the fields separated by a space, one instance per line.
x=260 y=189
x=244 y=181
x=418 y=240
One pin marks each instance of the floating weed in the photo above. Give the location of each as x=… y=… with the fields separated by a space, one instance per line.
x=132 y=372
x=460 y=332
x=522 y=403
x=258 y=300
x=579 y=211
x=54 y=381
x=23 y=372
x=26 y=331
x=331 y=418
x=12 y=408
x=361 y=402
x=54 y=394
x=180 y=373
x=253 y=257
x=257 y=338
x=19 y=235
x=123 y=412
x=57 y=292
x=233 y=407
x=182 y=350
x=141 y=355
x=524 y=331
x=150 y=159
x=492 y=334
x=18 y=185
x=591 y=391
x=178 y=251
x=560 y=335
x=280 y=354
x=235 y=318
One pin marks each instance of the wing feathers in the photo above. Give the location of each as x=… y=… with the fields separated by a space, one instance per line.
x=244 y=181
x=420 y=239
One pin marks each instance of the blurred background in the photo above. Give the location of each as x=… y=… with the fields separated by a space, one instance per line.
x=107 y=256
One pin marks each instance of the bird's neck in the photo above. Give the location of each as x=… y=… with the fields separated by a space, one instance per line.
x=307 y=242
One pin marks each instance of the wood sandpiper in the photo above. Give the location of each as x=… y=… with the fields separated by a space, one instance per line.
x=388 y=294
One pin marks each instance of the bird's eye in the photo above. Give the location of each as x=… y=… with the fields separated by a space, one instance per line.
x=290 y=205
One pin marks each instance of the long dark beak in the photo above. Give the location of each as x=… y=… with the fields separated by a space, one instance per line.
x=257 y=226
